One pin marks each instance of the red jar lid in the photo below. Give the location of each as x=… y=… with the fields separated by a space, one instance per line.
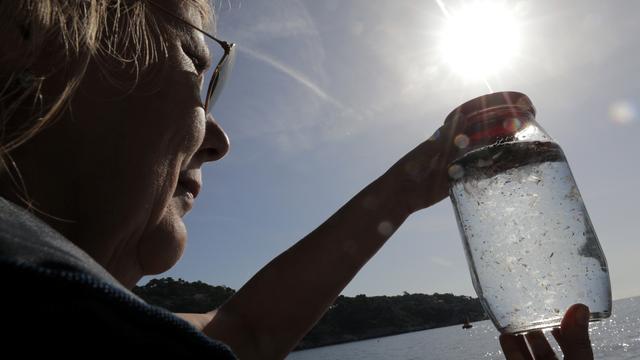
x=493 y=116
x=516 y=99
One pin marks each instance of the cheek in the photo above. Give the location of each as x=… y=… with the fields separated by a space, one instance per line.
x=178 y=113
x=126 y=159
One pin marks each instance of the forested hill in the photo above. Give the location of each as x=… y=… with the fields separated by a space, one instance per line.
x=348 y=319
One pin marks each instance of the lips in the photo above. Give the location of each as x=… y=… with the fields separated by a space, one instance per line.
x=190 y=184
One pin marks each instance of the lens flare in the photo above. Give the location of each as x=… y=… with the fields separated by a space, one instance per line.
x=461 y=141
x=512 y=125
x=456 y=171
x=623 y=112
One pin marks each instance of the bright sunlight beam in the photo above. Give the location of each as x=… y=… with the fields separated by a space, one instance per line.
x=479 y=38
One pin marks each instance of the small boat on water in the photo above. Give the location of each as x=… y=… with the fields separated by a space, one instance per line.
x=466 y=324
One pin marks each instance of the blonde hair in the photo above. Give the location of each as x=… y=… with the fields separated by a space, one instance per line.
x=72 y=33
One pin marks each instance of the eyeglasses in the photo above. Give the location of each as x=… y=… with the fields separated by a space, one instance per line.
x=221 y=71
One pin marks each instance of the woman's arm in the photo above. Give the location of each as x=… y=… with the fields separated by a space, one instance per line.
x=269 y=315
x=199 y=321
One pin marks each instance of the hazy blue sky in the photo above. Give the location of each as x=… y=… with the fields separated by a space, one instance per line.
x=326 y=95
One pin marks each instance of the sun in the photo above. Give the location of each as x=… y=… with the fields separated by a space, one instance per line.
x=479 y=38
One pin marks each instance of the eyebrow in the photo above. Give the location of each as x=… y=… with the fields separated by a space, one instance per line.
x=192 y=38
x=200 y=49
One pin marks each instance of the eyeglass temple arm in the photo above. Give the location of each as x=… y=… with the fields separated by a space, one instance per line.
x=225 y=45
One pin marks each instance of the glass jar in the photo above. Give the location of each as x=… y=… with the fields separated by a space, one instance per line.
x=530 y=245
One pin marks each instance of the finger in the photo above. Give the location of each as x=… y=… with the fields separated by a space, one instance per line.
x=540 y=346
x=573 y=335
x=454 y=124
x=514 y=347
x=557 y=335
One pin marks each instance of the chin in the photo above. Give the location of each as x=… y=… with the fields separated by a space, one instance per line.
x=162 y=247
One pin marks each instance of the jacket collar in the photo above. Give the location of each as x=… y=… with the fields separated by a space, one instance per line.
x=26 y=238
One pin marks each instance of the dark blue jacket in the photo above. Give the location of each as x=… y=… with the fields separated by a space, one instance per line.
x=56 y=301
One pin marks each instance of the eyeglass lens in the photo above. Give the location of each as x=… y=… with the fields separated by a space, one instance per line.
x=218 y=73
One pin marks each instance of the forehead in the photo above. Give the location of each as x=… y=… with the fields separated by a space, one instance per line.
x=197 y=13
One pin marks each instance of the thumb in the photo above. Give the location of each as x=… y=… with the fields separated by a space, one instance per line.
x=573 y=335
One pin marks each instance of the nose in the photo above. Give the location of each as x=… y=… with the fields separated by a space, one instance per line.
x=216 y=142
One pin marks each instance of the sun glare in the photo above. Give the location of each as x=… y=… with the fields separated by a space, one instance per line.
x=479 y=38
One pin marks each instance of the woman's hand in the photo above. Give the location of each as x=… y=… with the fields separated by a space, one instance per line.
x=572 y=336
x=420 y=178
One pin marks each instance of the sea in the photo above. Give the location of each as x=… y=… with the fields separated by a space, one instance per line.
x=615 y=338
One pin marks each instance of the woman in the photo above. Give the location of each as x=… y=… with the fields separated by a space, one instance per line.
x=104 y=136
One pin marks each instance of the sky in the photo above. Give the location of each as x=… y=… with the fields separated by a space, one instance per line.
x=326 y=95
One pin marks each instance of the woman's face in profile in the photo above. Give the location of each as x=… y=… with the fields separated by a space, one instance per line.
x=115 y=163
